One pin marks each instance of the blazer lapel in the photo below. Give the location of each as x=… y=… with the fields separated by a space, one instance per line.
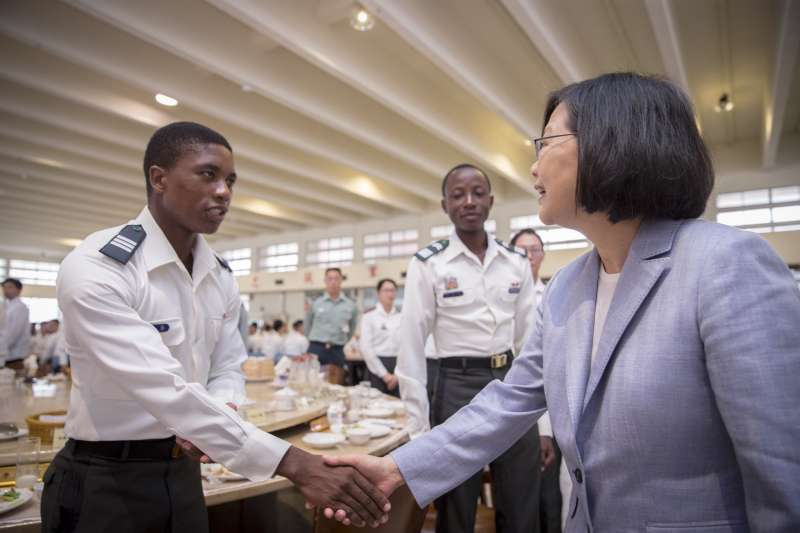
x=645 y=264
x=578 y=335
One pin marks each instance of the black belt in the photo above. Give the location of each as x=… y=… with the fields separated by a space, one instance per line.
x=495 y=361
x=156 y=449
x=328 y=345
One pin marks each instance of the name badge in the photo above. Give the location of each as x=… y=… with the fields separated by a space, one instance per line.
x=59 y=438
x=513 y=290
x=255 y=415
x=161 y=328
x=453 y=294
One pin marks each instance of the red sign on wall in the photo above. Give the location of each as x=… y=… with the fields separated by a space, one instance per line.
x=307 y=277
x=373 y=271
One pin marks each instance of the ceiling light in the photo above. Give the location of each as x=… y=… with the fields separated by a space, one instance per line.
x=168 y=101
x=724 y=103
x=247 y=88
x=361 y=19
x=528 y=142
x=72 y=243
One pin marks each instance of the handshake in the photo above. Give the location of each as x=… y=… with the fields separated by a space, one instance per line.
x=353 y=489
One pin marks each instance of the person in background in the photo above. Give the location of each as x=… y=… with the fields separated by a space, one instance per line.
x=295 y=342
x=330 y=323
x=553 y=481
x=53 y=337
x=17 y=324
x=254 y=339
x=378 y=339
x=271 y=341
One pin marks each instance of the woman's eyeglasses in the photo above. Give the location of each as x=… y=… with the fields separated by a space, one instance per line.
x=538 y=144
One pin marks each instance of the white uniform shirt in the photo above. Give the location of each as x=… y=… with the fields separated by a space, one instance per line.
x=295 y=344
x=50 y=343
x=271 y=343
x=156 y=352
x=17 y=330
x=254 y=343
x=472 y=309
x=3 y=342
x=378 y=337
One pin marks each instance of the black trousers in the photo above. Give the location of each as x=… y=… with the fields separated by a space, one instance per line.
x=328 y=354
x=390 y=363
x=515 y=474
x=87 y=493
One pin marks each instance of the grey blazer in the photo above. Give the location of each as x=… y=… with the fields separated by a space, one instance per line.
x=689 y=418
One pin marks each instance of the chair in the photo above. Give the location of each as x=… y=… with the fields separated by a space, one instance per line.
x=405 y=517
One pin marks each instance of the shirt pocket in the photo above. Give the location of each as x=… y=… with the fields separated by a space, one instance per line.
x=454 y=297
x=171 y=330
x=508 y=292
x=698 y=527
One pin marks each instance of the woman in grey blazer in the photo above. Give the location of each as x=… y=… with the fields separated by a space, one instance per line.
x=668 y=356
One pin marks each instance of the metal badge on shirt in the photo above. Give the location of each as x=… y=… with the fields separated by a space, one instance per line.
x=514 y=288
x=451 y=286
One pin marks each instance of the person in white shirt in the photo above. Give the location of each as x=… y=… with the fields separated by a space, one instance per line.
x=378 y=339
x=254 y=339
x=151 y=317
x=3 y=342
x=272 y=341
x=17 y=327
x=475 y=295
x=551 y=502
x=54 y=334
x=295 y=342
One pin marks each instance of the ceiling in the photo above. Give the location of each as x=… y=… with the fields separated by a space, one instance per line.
x=329 y=124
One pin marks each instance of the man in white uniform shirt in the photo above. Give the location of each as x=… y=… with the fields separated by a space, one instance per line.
x=151 y=318
x=295 y=342
x=17 y=328
x=378 y=339
x=475 y=294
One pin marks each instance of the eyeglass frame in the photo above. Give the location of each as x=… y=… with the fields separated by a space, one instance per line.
x=537 y=143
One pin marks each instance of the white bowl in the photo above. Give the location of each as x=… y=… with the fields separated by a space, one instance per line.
x=376 y=431
x=323 y=440
x=359 y=436
x=378 y=412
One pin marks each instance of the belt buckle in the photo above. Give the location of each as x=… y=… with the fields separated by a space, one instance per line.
x=177 y=451
x=328 y=346
x=499 y=360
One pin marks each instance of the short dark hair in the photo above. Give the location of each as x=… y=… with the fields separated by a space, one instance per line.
x=463 y=166
x=296 y=324
x=169 y=143
x=253 y=324
x=14 y=281
x=385 y=280
x=640 y=153
x=525 y=231
x=277 y=324
x=334 y=269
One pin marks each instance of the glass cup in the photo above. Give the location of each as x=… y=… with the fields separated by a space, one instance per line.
x=27 y=467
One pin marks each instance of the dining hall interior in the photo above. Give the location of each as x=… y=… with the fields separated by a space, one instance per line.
x=343 y=118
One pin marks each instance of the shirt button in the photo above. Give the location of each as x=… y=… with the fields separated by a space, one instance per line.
x=578 y=475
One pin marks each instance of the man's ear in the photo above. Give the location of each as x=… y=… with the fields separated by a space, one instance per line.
x=444 y=206
x=157 y=178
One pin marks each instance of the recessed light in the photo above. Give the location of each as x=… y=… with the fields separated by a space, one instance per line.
x=247 y=88
x=724 y=103
x=168 y=101
x=528 y=142
x=361 y=19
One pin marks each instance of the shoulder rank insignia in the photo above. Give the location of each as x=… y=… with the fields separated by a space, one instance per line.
x=122 y=247
x=432 y=249
x=224 y=264
x=512 y=249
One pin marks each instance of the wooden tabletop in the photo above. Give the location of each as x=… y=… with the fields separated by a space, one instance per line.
x=17 y=402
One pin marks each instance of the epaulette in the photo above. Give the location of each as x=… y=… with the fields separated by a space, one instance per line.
x=122 y=247
x=432 y=249
x=224 y=264
x=512 y=249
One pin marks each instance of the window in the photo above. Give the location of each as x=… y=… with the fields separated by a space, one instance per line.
x=3 y=269
x=245 y=298
x=553 y=237
x=336 y=251
x=386 y=245
x=761 y=210
x=239 y=260
x=279 y=257
x=41 y=309
x=33 y=272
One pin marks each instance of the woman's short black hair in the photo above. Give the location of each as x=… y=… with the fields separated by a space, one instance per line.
x=14 y=281
x=385 y=280
x=170 y=142
x=640 y=153
x=526 y=231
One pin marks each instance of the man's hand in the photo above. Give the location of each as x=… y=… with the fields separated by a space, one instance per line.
x=382 y=471
x=339 y=487
x=192 y=451
x=391 y=381
x=547 y=451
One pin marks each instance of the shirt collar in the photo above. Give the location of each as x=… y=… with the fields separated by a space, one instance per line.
x=327 y=296
x=158 y=251
x=457 y=247
x=379 y=308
